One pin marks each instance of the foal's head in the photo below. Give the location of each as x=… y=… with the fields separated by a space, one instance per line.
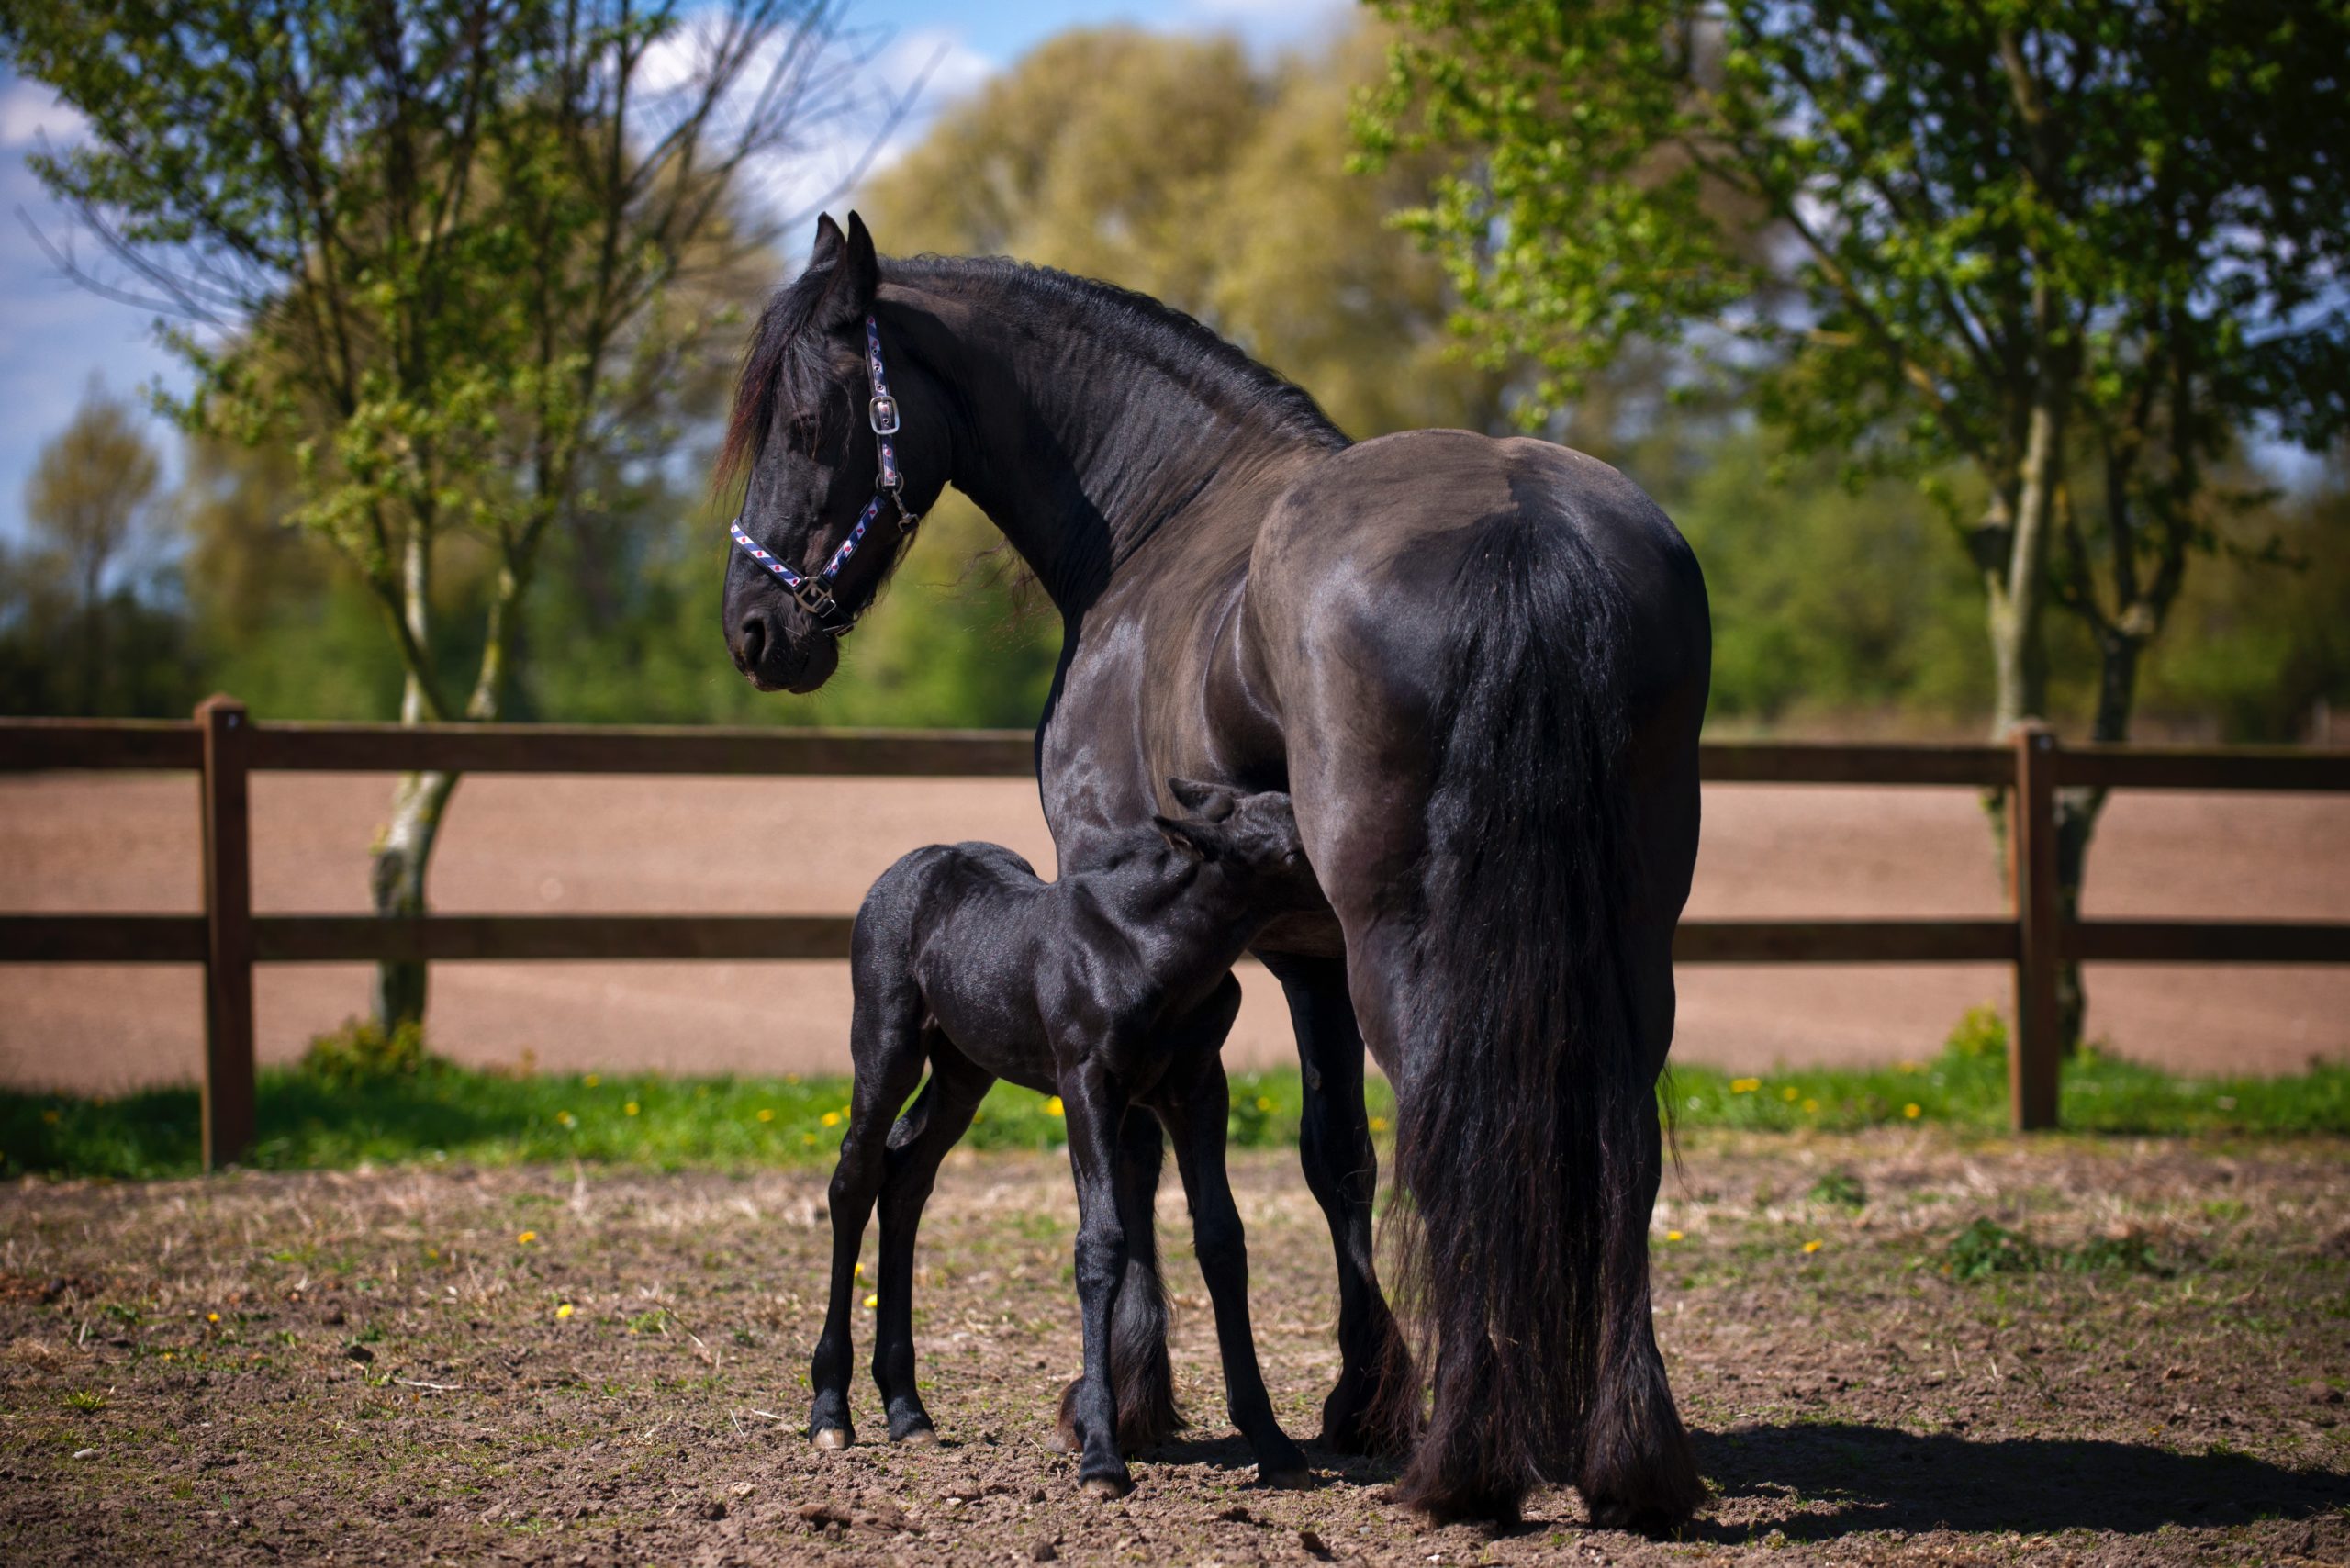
x=806 y=436
x=1250 y=840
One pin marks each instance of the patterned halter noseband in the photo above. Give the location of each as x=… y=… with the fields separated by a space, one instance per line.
x=814 y=594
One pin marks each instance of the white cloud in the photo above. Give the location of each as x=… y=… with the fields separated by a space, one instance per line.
x=30 y=112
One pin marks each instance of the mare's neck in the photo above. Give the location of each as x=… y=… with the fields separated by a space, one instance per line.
x=1086 y=423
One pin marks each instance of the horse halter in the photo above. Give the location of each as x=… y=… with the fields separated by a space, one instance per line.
x=814 y=594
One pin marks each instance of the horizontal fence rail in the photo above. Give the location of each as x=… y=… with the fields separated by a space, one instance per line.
x=223 y=746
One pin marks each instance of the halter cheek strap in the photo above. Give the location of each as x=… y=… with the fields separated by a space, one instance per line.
x=814 y=594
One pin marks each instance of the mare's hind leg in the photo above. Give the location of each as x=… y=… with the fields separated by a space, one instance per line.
x=930 y=1128
x=1372 y=1409
x=884 y=1037
x=1197 y=1103
x=1139 y=1371
x=1636 y=1470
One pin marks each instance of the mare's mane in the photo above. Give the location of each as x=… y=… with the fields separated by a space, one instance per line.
x=788 y=367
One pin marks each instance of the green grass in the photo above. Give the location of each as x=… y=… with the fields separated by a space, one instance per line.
x=336 y=1111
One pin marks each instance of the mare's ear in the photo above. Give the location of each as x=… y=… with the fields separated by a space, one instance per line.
x=830 y=245
x=1185 y=837
x=856 y=275
x=1213 y=802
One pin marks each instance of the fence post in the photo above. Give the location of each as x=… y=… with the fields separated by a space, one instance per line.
x=229 y=1116
x=2034 y=1052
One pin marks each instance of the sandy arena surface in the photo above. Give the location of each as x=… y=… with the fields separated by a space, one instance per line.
x=127 y=843
x=605 y=1368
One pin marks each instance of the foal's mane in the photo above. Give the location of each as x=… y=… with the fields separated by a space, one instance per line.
x=787 y=365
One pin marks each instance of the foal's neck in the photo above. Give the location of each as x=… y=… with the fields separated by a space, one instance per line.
x=1089 y=420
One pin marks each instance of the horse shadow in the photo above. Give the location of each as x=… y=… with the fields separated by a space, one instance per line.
x=1880 y=1478
x=1884 y=1479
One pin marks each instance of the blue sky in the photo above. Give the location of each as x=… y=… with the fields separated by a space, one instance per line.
x=54 y=335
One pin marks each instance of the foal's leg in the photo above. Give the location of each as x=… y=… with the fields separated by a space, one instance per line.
x=1096 y=1109
x=885 y=1036
x=1372 y=1409
x=930 y=1128
x=1196 y=1102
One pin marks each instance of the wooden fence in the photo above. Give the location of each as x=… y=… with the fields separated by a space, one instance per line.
x=224 y=746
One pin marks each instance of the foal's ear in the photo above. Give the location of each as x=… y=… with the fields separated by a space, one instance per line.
x=1185 y=837
x=1212 y=801
x=856 y=275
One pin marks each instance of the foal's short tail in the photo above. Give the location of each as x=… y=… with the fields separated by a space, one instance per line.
x=1528 y=1134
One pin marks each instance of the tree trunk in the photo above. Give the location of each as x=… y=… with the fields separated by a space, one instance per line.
x=403 y=852
x=2077 y=812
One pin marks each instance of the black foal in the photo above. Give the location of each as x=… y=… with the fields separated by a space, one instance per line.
x=1113 y=987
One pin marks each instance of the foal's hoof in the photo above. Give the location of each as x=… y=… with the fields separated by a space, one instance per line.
x=1109 y=1488
x=831 y=1438
x=916 y=1437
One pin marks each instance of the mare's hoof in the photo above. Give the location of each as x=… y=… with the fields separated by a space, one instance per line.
x=832 y=1437
x=919 y=1438
x=1286 y=1479
x=1109 y=1488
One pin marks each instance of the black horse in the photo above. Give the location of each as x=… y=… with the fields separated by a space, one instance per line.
x=1113 y=987
x=1478 y=665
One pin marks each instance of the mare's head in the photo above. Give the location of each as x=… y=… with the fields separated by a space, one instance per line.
x=802 y=440
x=1250 y=839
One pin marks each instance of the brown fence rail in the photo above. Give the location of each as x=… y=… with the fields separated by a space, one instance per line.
x=224 y=746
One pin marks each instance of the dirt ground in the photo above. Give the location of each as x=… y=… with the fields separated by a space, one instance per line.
x=127 y=843
x=561 y=1367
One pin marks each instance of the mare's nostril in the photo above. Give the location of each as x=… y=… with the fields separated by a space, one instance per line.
x=755 y=641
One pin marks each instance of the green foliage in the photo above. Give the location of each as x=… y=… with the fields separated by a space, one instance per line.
x=2075 y=249
x=436 y=1111
x=362 y=1053
x=1986 y=1247
x=1841 y=1189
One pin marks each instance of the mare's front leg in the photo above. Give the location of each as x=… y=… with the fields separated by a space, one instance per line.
x=930 y=1128
x=1096 y=1108
x=1373 y=1407
x=1196 y=1102
x=884 y=1040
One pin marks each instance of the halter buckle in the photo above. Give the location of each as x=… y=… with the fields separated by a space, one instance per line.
x=883 y=414
x=813 y=596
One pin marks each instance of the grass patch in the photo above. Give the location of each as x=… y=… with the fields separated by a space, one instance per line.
x=1987 y=1247
x=356 y=1100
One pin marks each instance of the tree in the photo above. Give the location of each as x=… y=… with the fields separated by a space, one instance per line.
x=85 y=498
x=1174 y=166
x=451 y=249
x=2075 y=250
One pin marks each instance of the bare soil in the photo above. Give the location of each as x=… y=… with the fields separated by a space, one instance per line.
x=127 y=843
x=381 y=1367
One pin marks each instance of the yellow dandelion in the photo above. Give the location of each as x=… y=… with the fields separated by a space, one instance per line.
x=1744 y=1085
x=1673 y=1236
x=564 y=1311
x=807 y=1140
x=1379 y=1124
x=630 y=1109
x=1053 y=1106
x=860 y=1270
x=1265 y=1103
x=592 y=1080
x=832 y=1118
x=871 y=1301
x=567 y=1118
x=526 y=1238
x=1811 y=1107
x=766 y=1114
x=1908 y=1067
x=212 y=1318
x=791 y=1078
x=1788 y=1094
x=1814 y=1245
x=1913 y=1110
x=432 y=1254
